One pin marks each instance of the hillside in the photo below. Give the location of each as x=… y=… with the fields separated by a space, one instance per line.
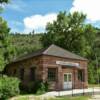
x=25 y=43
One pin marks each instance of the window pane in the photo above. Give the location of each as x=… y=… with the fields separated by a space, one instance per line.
x=81 y=75
x=52 y=74
x=69 y=77
x=65 y=77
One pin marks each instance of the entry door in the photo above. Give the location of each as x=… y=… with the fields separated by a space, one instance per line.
x=67 y=81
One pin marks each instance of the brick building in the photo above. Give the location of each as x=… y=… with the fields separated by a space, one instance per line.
x=60 y=68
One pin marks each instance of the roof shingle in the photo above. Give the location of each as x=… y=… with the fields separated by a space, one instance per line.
x=52 y=50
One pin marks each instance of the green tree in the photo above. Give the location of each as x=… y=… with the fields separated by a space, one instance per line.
x=6 y=49
x=5 y=46
x=91 y=73
x=8 y=86
x=2 y=2
x=96 y=53
x=70 y=32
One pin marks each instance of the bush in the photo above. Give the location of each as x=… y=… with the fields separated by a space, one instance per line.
x=37 y=87
x=40 y=87
x=91 y=74
x=9 y=87
x=26 y=89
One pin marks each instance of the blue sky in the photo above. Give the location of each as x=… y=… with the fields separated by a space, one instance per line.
x=26 y=15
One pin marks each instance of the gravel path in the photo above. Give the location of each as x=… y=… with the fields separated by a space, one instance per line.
x=95 y=97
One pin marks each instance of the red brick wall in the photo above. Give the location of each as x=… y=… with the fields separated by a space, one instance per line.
x=26 y=64
x=50 y=61
x=42 y=63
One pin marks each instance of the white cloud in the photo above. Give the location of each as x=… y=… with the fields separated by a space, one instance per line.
x=38 y=22
x=89 y=7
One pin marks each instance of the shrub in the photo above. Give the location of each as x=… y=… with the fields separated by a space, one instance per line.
x=37 y=87
x=46 y=86
x=40 y=87
x=26 y=89
x=9 y=87
x=91 y=74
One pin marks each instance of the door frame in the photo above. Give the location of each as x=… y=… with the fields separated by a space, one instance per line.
x=67 y=73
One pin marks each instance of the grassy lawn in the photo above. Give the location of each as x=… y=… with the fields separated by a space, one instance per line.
x=94 y=85
x=73 y=98
x=23 y=98
x=56 y=98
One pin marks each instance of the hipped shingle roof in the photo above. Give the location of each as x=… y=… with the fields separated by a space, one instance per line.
x=52 y=50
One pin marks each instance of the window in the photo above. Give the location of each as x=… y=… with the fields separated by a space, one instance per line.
x=32 y=74
x=15 y=71
x=65 y=77
x=52 y=72
x=22 y=73
x=69 y=77
x=81 y=75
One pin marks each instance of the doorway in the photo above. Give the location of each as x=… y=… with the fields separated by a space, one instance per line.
x=67 y=84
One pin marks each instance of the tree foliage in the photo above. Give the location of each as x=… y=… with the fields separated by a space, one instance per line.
x=69 y=32
x=4 y=1
x=6 y=49
x=9 y=87
x=25 y=43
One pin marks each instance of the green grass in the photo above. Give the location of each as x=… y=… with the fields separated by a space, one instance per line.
x=94 y=85
x=23 y=98
x=57 y=98
x=72 y=98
